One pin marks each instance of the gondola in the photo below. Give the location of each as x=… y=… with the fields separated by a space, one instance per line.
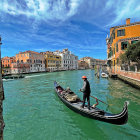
x=93 y=113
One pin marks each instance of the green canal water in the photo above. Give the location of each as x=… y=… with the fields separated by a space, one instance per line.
x=32 y=111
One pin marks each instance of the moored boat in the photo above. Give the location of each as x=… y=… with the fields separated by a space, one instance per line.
x=104 y=75
x=93 y=113
x=12 y=77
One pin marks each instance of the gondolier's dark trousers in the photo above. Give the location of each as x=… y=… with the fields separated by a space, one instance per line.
x=86 y=96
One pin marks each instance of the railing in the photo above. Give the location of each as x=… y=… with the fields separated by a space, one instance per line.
x=133 y=68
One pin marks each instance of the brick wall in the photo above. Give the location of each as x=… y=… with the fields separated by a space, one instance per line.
x=130 y=74
x=133 y=78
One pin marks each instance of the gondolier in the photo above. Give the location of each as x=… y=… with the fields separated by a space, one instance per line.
x=86 y=92
x=94 y=113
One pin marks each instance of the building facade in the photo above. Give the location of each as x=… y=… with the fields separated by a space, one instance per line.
x=69 y=60
x=120 y=37
x=52 y=61
x=29 y=61
x=7 y=61
x=82 y=64
x=18 y=68
x=92 y=62
x=99 y=62
x=7 y=64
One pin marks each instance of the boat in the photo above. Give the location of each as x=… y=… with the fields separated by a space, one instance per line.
x=104 y=75
x=12 y=77
x=93 y=113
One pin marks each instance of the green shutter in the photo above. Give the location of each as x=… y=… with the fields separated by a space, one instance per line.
x=134 y=41
x=117 y=47
x=124 y=43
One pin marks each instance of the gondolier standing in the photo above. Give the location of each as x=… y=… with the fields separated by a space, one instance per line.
x=86 y=92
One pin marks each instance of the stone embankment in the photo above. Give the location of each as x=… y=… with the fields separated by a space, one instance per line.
x=132 y=78
x=129 y=80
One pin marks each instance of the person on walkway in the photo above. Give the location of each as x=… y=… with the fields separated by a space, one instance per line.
x=86 y=91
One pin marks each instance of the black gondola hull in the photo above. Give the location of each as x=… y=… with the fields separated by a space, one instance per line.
x=97 y=114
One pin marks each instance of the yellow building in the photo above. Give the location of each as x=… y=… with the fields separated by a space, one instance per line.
x=120 y=37
x=52 y=61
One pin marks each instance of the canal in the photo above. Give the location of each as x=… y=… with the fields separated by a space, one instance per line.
x=32 y=111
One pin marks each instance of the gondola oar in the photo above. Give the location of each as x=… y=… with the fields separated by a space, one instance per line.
x=98 y=99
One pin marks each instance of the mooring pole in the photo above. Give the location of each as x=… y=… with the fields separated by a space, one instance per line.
x=1 y=98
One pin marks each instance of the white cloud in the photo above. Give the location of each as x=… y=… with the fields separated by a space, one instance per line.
x=123 y=9
x=42 y=9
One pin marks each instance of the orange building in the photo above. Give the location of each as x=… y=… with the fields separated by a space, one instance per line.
x=7 y=64
x=120 y=37
x=34 y=59
x=7 y=61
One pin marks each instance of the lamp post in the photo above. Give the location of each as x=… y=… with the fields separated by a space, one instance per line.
x=1 y=98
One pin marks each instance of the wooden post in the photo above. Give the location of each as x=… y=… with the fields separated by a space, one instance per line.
x=1 y=98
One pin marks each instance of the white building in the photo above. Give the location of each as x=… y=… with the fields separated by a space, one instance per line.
x=69 y=60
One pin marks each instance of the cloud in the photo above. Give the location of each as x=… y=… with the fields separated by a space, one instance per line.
x=41 y=9
x=108 y=12
x=56 y=24
x=101 y=14
x=123 y=9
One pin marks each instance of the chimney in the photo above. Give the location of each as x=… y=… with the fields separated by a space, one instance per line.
x=127 y=21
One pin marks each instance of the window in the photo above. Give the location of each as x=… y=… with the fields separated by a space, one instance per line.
x=124 y=45
x=134 y=41
x=28 y=60
x=121 y=32
x=114 y=51
x=111 y=39
x=114 y=62
x=113 y=35
x=117 y=47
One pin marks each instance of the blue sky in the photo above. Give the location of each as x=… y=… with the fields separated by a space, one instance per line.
x=80 y=25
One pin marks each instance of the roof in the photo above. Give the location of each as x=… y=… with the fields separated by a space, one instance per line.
x=126 y=25
x=29 y=52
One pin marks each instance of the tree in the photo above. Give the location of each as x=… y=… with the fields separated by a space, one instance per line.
x=123 y=59
x=133 y=52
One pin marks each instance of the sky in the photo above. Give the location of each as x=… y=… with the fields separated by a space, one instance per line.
x=48 y=25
